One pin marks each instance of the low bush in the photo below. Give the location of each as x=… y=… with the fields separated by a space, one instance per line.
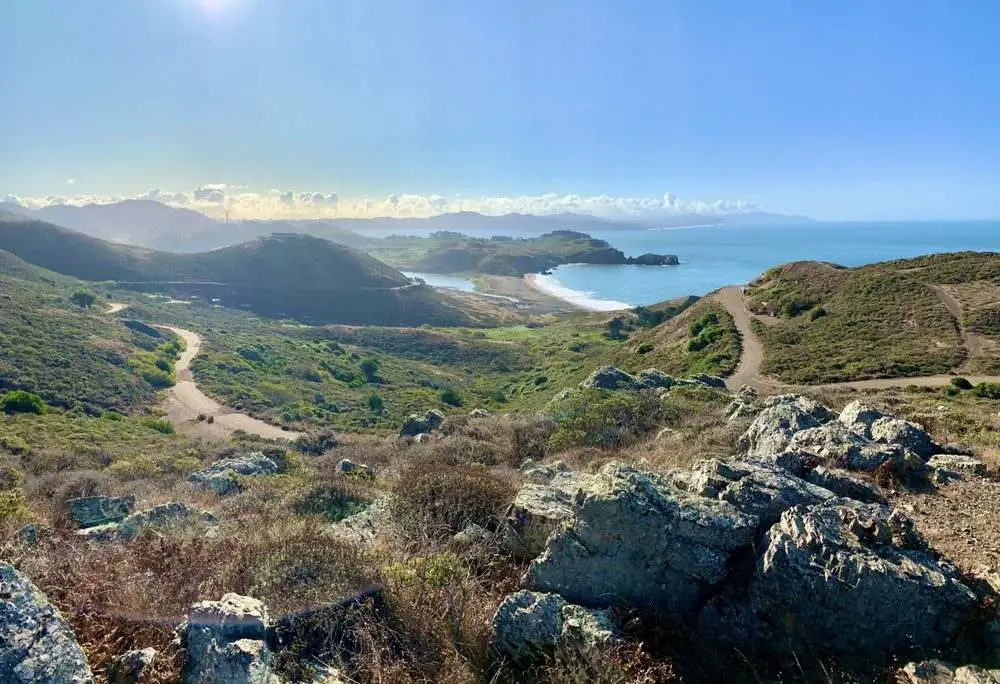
x=605 y=419
x=159 y=424
x=986 y=390
x=19 y=401
x=961 y=383
x=450 y=396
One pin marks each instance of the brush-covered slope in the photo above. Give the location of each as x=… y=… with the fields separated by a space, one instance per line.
x=912 y=317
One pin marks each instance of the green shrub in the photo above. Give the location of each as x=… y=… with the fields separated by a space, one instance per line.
x=20 y=401
x=644 y=348
x=961 y=383
x=817 y=313
x=13 y=507
x=605 y=419
x=370 y=369
x=334 y=502
x=111 y=415
x=158 y=424
x=450 y=396
x=706 y=321
x=987 y=390
x=83 y=299
x=376 y=404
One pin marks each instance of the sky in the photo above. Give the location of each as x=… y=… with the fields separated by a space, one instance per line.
x=886 y=109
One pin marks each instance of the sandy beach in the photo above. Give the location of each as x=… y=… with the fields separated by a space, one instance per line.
x=548 y=286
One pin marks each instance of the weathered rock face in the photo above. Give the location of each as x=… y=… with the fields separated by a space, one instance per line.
x=222 y=477
x=859 y=417
x=609 y=378
x=363 y=527
x=960 y=465
x=527 y=624
x=856 y=578
x=130 y=667
x=637 y=539
x=541 y=473
x=652 y=378
x=90 y=511
x=772 y=430
x=745 y=403
x=416 y=424
x=906 y=434
x=938 y=672
x=538 y=510
x=844 y=485
x=703 y=380
x=36 y=644
x=835 y=443
x=161 y=518
x=225 y=642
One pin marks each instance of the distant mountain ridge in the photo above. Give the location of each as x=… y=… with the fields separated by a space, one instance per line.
x=147 y=223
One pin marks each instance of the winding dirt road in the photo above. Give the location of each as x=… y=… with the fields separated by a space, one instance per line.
x=752 y=355
x=185 y=402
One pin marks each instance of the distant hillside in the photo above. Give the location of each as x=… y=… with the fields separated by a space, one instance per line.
x=930 y=315
x=297 y=276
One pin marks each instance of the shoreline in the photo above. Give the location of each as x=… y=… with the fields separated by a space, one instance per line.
x=583 y=301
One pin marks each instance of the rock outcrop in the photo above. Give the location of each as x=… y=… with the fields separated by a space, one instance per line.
x=416 y=424
x=528 y=624
x=225 y=642
x=90 y=511
x=938 y=672
x=130 y=667
x=651 y=378
x=538 y=510
x=36 y=644
x=159 y=519
x=223 y=477
x=609 y=378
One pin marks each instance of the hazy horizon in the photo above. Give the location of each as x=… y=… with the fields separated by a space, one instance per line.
x=310 y=109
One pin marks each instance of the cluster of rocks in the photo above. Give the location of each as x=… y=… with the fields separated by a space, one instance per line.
x=415 y=424
x=777 y=550
x=223 y=476
x=348 y=468
x=612 y=378
x=159 y=519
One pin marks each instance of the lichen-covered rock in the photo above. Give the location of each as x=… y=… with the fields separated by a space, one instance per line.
x=844 y=485
x=904 y=433
x=609 y=378
x=225 y=642
x=836 y=444
x=538 y=510
x=36 y=644
x=91 y=511
x=222 y=477
x=363 y=527
x=815 y=409
x=856 y=578
x=703 y=380
x=527 y=625
x=131 y=666
x=772 y=430
x=938 y=672
x=638 y=539
x=162 y=518
x=416 y=424
x=540 y=473
x=761 y=490
x=745 y=403
x=651 y=378
x=469 y=536
x=859 y=417
x=963 y=465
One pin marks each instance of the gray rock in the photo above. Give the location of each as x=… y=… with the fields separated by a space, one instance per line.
x=90 y=511
x=836 y=444
x=762 y=490
x=844 y=485
x=859 y=417
x=772 y=430
x=652 y=378
x=815 y=409
x=36 y=644
x=959 y=464
x=470 y=536
x=637 y=539
x=906 y=434
x=540 y=473
x=538 y=510
x=745 y=403
x=349 y=468
x=422 y=438
x=702 y=380
x=609 y=378
x=856 y=578
x=938 y=672
x=29 y=534
x=363 y=527
x=222 y=477
x=128 y=668
x=416 y=424
x=225 y=642
x=162 y=518
x=478 y=413
x=527 y=625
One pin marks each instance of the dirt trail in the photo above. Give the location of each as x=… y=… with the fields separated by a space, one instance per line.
x=973 y=344
x=115 y=308
x=752 y=356
x=185 y=402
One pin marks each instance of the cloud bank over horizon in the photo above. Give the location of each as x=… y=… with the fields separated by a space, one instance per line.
x=216 y=199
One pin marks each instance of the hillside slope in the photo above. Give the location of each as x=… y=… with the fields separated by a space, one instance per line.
x=930 y=315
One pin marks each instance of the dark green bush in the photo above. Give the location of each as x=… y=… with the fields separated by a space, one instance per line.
x=987 y=390
x=19 y=401
x=961 y=383
x=370 y=369
x=817 y=313
x=602 y=418
x=159 y=425
x=644 y=348
x=375 y=404
x=450 y=396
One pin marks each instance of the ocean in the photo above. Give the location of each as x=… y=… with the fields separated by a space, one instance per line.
x=714 y=256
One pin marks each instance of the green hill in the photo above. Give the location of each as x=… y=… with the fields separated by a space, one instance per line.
x=284 y=275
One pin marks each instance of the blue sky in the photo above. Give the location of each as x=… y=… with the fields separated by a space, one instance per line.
x=849 y=109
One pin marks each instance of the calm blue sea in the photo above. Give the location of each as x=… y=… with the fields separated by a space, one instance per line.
x=712 y=257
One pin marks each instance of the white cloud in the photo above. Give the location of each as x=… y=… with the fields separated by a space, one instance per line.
x=215 y=199
x=71 y=181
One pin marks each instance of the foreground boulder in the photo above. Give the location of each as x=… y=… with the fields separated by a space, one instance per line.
x=36 y=644
x=638 y=539
x=772 y=430
x=539 y=510
x=223 y=477
x=833 y=443
x=609 y=378
x=938 y=672
x=90 y=511
x=225 y=642
x=855 y=578
x=527 y=625
x=131 y=666
x=416 y=424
